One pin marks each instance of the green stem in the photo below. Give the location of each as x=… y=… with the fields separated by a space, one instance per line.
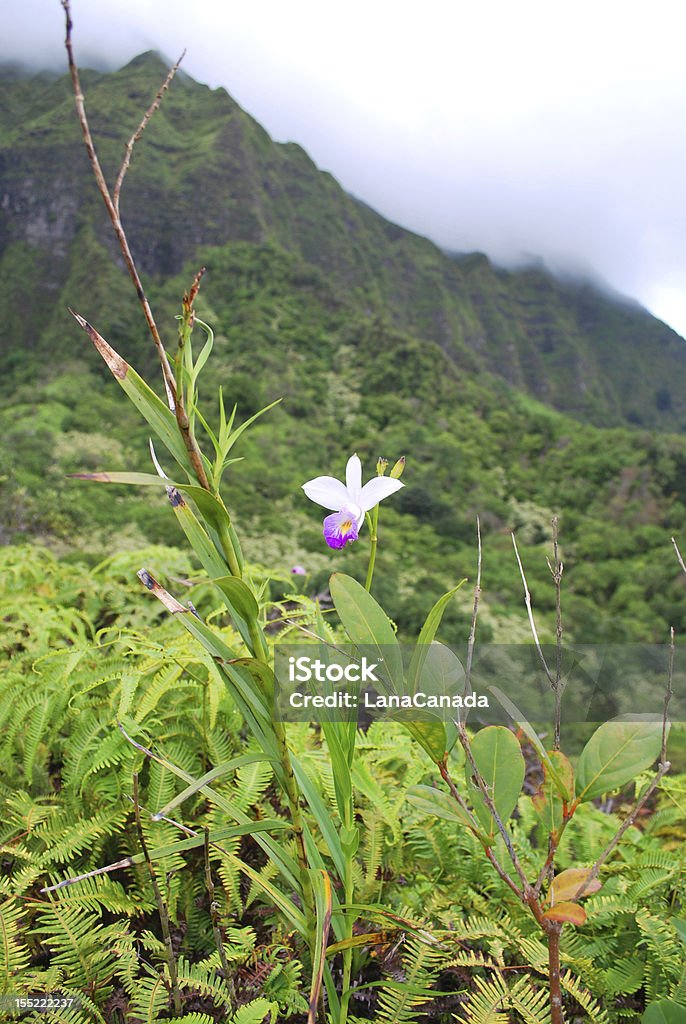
x=373 y=522
x=229 y=551
x=349 y=889
x=161 y=905
x=293 y=798
x=259 y=644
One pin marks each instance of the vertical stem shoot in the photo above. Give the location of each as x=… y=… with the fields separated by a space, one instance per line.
x=556 y=1016
x=161 y=905
x=373 y=521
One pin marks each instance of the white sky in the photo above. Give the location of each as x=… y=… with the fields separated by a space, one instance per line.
x=519 y=129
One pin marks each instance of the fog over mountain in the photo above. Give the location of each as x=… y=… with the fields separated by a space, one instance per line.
x=521 y=132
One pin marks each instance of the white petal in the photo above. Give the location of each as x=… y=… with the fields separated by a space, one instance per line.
x=353 y=478
x=327 y=492
x=376 y=490
x=359 y=515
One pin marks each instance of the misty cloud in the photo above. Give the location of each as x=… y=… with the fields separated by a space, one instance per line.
x=515 y=130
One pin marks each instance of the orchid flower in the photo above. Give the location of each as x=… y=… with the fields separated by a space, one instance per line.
x=349 y=501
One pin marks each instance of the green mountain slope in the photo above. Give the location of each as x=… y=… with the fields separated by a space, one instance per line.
x=207 y=175
x=376 y=341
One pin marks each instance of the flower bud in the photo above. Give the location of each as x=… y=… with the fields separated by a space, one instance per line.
x=397 y=470
x=381 y=466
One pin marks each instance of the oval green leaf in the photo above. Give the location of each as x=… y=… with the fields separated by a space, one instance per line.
x=664 y=1011
x=498 y=757
x=615 y=754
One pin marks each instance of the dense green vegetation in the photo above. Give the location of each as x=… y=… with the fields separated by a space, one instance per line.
x=349 y=383
x=98 y=650
x=374 y=341
x=333 y=865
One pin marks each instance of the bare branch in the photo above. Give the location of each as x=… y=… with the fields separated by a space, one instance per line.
x=113 y=212
x=628 y=821
x=529 y=610
x=556 y=571
x=678 y=555
x=127 y=862
x=668 y=696
x=488 y=799
x=475 y=827
x=139 y=131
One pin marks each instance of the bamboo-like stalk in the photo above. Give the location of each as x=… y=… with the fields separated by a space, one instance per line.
x=214 y=917
x=293 y=798
x=161 y=905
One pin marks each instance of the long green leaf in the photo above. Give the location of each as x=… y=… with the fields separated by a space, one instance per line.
x=139 y=479
x=321 y=885
x=370 y=630
x=367 y=624
x=285 y=863
x=322 y=815
x=152 y=408
x=218 y=835
x=434 y=801
x=204 y=781
x=240 y=596
x=246 y=423
x=428 y=633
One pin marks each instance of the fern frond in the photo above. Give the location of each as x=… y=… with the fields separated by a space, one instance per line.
x=259 y=1011
x=371 y=852
x=488 y=1004
x=148 y=997
x=571 y=985
x=399 y=999
x=14 y=956
x=471 y=958
x=623 y=978
x=163 y=682
x=532 y=1004
x=192 y=1018
x=200 y=979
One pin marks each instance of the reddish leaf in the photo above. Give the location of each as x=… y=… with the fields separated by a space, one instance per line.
x=566 y=885
x=571 y=912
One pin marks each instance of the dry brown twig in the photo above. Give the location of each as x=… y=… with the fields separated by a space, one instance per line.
x=116 y=191
x=111 y=205
x=530 y=613
x=111 y=201
x=556 y=570
x=678 y=555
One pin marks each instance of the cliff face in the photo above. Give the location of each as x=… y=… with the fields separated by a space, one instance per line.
x=206 y=176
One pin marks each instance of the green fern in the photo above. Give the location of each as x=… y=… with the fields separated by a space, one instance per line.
x=259 y=1011
x=14 y=955
x=488 y=1004
x=411 y=984
x=594 y=1012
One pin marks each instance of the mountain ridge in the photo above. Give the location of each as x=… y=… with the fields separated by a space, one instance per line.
x=206 y=174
